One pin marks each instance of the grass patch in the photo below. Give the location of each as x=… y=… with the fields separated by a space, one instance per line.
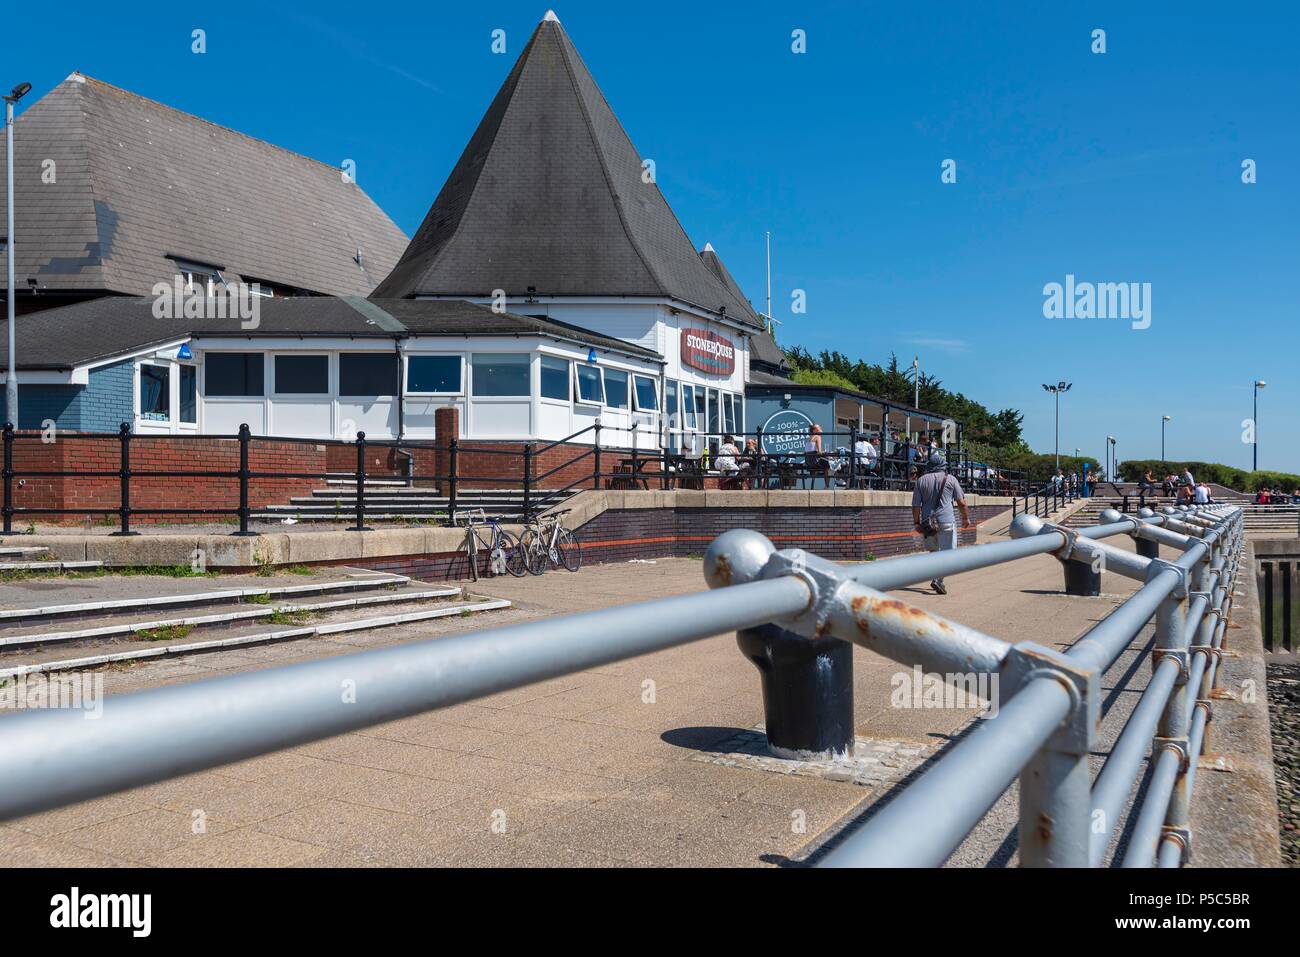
x=695 y=556
x=165 y=633
x=165 y=571
x=264 y=599
x=279 y=617
x=299 y=570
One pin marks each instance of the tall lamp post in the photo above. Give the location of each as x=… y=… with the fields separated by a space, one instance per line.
x=1111 y=464
x=1163 y=420
x=1057 y=390
x=1254 y=463
x=11 y=377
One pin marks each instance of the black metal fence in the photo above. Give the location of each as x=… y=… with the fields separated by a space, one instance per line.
x=542 y=476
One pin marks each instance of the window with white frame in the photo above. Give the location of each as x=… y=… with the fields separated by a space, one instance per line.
x=500 y=374
x=155 y=392
x=616 y=388
x=590 y=383
x=670 y=404
x=296 y=374
x=189 y=394
x=369 y=374
x=555 y=378
x=645 y=393
x=227 y=374
x=690 y=417
x=434 y=375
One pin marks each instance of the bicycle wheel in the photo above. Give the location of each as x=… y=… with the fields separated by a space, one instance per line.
x=570 y=549
x=516 y=559
x=534 y=550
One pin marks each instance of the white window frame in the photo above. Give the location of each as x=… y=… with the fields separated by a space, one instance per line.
x=577 y=385
x=378 y=397
x=627 y=391
x=275 y=393
x=406 y=372
x=636 y=399
x=173 y=383
x=568 y=400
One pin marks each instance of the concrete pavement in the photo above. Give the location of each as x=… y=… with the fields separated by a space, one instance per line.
x=620 y=765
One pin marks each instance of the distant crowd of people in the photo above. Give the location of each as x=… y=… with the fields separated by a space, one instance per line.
x=1185 y=490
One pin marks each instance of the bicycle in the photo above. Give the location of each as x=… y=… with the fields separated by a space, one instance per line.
x=546 y=542
x=504 y=551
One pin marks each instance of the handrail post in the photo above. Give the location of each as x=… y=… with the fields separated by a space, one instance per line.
x=853 y=456
x=453 y=478
x=528 y=480
x=756 y=467
x=595 y=472
x=124 y=481
x=9 y=478
x=245 y=439
x=636 y=464
x=361 y=484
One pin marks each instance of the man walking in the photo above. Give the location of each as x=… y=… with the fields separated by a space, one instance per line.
x=933 y=498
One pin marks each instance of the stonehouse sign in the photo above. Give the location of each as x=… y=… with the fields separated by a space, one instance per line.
x=708 y=352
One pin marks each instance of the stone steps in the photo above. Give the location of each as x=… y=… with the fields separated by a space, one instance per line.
x=132 y=636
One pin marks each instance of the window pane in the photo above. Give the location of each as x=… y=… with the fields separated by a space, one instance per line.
x=590 y=388
x=368 y=374
x=714 y=425
x=615 y=389
x=729 y=408
x=233 y=373
x=670 y=403
x=308 y=375
x=433 y=374
x=555 y=378
x=646 y=398
x=501 y=373
x=155 y=393
x=189 y=394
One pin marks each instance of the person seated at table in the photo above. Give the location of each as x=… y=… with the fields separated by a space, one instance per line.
x=749 y=463
x=726 y=461
x=1262 y=497
x=1148 y=482
x=865 y=453
x=1185 y=496
x=1295 y=496
x=814 y=459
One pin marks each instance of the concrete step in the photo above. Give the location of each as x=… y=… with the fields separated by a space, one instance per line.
x=52 y=566
x=12 y=616
x=90 y=631
x=18 y=552
x=43 y=659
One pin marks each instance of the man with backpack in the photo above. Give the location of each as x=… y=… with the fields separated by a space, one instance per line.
x=933 y=498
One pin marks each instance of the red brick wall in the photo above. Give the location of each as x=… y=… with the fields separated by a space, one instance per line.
x=81 y=493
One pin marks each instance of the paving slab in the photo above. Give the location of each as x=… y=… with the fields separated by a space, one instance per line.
x=583 y=770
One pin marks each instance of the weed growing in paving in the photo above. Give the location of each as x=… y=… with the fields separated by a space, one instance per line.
x=264 y=599
x=165 y=633
x=279 y=617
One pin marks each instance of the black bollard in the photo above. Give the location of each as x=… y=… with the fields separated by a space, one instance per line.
x=807 y=691
x=1147 y=548
x=1080 y=579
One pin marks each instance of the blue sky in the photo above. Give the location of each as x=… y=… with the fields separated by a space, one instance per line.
x=1115 y=167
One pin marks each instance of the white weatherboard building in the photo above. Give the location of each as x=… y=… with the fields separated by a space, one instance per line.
x=549 y=286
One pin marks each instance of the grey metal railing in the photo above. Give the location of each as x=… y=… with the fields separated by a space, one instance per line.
x=1045 y=728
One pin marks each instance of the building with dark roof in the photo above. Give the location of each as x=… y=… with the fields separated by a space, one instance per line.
x=549 y=287
x=114 y=192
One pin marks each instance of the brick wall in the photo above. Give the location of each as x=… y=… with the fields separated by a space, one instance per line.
x=82 y=493
x=619 y=535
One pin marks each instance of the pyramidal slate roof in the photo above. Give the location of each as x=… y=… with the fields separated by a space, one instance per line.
x=136 y=182
x=549 y=194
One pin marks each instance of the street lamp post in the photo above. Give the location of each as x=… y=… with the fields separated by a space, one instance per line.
x=11 y=376
x=1254 y=421
x=1057 y=390
x=1163 y=419
x=1111 y=464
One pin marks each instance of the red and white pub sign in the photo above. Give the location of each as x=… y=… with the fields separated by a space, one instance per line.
x=708 y=352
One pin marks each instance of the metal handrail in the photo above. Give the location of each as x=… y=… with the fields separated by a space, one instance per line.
x=1044 y=731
